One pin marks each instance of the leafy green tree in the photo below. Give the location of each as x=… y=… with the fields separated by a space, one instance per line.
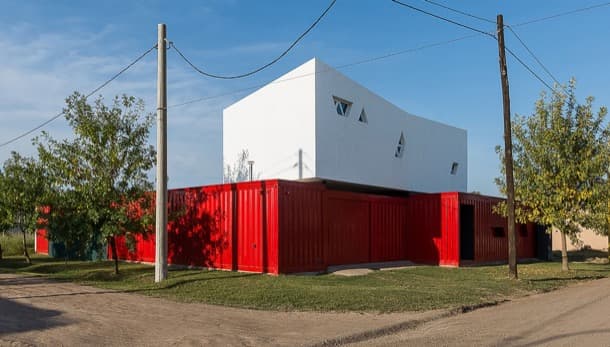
x=561 y=161
x=100 y=176
x=22 y=186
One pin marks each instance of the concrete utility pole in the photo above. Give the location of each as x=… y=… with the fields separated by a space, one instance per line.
x=251 y=163
x=300 y=164
x=508 y=155
x=161 y=212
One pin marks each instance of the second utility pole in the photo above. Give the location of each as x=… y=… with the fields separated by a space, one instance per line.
x=508 y=156
x=161 y=198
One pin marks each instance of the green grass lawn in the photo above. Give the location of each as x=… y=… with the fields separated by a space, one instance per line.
x=412 y=289
x=12 y=243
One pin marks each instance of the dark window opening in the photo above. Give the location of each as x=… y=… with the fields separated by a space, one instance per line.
x=363 y=118
x=454 y=168
x=342 y=106
x=400 y=148
x=498 y=231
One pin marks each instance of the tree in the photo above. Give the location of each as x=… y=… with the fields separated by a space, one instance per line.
x=22 y=186
x=561 y=161
x=240 y=171
x=100 y=177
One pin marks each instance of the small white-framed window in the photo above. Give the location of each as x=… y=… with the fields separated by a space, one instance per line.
x=363 y=118
x=454 y=168
x=342 y=106
x=400 y=148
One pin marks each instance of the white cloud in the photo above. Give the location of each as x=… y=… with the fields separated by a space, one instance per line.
x=39 y=72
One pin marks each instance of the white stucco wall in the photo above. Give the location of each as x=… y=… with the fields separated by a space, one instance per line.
x=273 y=123
x=279 y=119
x=352 y=151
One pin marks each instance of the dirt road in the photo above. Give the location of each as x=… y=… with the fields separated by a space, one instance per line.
x=575 y=316
x=36 y=311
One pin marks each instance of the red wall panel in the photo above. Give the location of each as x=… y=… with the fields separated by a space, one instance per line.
x=42 y=244
x=448 y=244
x=423 y=228
x=346 y=224
x=491 y=248
x=388 y=229
x=301 y=233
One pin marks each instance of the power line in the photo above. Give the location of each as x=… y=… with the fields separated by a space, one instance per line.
x=444 y=19
x=479 y=31
x=562 y=14
x=528 y=68
x=532 y=54
x=332 y=3
x=359 y=62
x=518 y=38
x=509 y=28
x=86 y=97
x=460 y=12
x=389 y=55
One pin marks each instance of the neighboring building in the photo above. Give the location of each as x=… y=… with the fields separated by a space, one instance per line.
x=315 y=123
x=588 y=238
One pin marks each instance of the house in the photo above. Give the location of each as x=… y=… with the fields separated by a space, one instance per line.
x=343 y=177
x=315 y=123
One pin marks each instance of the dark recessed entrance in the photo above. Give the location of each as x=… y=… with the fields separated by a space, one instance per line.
x=466 y=232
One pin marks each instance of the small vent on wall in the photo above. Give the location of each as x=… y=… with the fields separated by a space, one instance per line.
x=342 y=106
x=454 y=168
x=363 y=117
x=400 y=148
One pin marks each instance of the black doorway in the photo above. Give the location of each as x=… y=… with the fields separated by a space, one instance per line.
x=466 y=232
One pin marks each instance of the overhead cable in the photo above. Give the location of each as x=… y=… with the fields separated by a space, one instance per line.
x=230 y=77
x=460 y=12
x=86 y=97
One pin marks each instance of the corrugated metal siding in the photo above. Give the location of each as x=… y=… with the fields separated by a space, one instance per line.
x=448 y=244
x=423 y=228
x=346 y=224
x=42 y=244
x=488 y=247
x=388 y=229
x=301 y=232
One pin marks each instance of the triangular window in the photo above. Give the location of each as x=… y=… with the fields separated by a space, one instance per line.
x=400 y=148
x=454 y=168
x=363 y=117
x=342 y=106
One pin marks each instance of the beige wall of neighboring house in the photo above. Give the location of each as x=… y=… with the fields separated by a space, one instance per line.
x=588 y=238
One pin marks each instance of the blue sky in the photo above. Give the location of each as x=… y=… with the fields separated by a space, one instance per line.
x=51 y=49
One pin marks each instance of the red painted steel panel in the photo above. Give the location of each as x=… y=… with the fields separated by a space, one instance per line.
x=301 y=233
x=490 y=247
x=346 y=224
x=449 y=242
x=388 y=229
x=42 y=244
x=423 y=228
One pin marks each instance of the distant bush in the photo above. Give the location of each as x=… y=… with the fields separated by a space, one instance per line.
x=12 y=243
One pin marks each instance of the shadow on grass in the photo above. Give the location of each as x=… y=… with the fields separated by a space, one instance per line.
x=565 y=279
x=150 y=287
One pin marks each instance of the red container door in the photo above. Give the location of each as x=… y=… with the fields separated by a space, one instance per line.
x=249 y=225
x=347 y=228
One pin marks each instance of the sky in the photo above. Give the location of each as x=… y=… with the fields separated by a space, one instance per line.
x=51 y=49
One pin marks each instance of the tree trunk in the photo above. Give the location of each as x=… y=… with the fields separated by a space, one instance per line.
x=25 y=249
x=564 y=253
x=115 y=256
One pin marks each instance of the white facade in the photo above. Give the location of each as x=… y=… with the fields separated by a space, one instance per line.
x=372 y=143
